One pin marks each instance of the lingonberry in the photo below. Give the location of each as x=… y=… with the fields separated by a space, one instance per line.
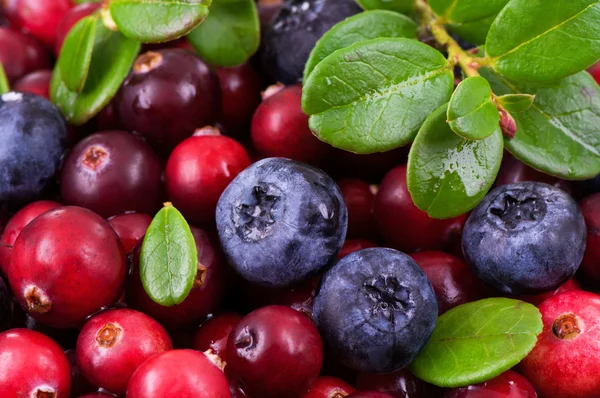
x=37 y=82
x=32 y=365
x=110 y=173
x=280 y=128
x=168 y=94
x=590 y=208
x=79 y=385
x=354 y=245
x=508 y=385
x=178 y=373
x=213 y=334
x=275 y=351
x=131 y=227
x=198 y=171
x=21 y=54
x=329 y=387
x=69 y=19
x=107 y=119
x=399 y=384
x=595 y=72
x=513 y=170
x=360 y=199
x=38 y=17
x=67 y=264
x=240 y=96
x=537 y=299
x=403 y=225
x=114 y=343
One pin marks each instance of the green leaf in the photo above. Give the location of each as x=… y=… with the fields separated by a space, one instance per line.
x=76 y=53
x=87 y=1
x=541 y=40
x=477 y=341
x=364 y=26
x=471 y=113
x=559 y=133
x=112 y=58
x=4 y=84
x=156 y=21
x=169 y=258
x=401 y=6
x=374 y=95
x=516 y=103
x=448 y=175
x=230 y=35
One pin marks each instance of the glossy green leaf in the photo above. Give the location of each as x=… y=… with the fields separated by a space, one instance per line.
x=4 y=84
x=374 y=95
x=559 y=134
x=401 y=6
x=364 y=26
x=448 y=175
x=156 y=21
x=76 y=53
x=112 y=58
x=515 y=103
x=477 y=341
x=230 y=35
x=169 y=258
x=541 y=40
x=471 y=113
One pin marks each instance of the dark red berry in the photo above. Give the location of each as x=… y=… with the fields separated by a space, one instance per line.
x=168 y=94
x=97 y=395
x=595 y=72
x=32 y=365
x=79 y=385
x=69 y=19
x=37 y=82
x=400 y=384
x=360 y=200
x=590 y=207
x=513 y=170
x=280 y=128
x=38 y=17
x=329 y=387
x=275 y=352
x=354 y=245
x=131 y=227
x=111 y=173
x=240 y=96
x=67 y=264
x=199 y=170
x=537 y=299
x=107 y=119
x=508 y=385
x=372 y=168
x=213 y=334
x=21 y=54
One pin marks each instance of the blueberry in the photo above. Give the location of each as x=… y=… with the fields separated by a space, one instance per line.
x=32 y=142
x=376 y=310
x=281 y=222
x=291 y=36
x=525 y=238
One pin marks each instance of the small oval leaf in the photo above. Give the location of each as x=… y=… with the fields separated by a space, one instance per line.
x=364 y=26
x=516 y=103
x=401 y=82
x=4 y=84
x=533 y=41
x=76 y=53
x=471 y=113
x=401 y=6
x=157 y=21
x=477 y=341
x=230 y=35
x=448 y=175
x=169 y=258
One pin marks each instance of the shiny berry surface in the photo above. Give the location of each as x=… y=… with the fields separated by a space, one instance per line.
x=214 y=333
x=399 y=384
x=21 y=54
x=37 y=82
x=329 y=387
x=240 y=96
x=38 y=17
x=508 y=385
x=590 y=208
x=131 y=227
x=360 y=200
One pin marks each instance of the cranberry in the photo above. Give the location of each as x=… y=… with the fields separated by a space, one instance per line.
x=513 y=170
x=113 y=344
x=131 y=227
x=590 y=207
x=32 y=365
x=537 y=299
x=199 y=170
x=39 y=17
x=354 y=245
x=275 y=352
x=67 y=264
x=106 y=119
x=400 y=384
x=213 y=334
x=280 y=128
x=110 y=173
x=37 y=82
x=80 y=385
x=168 y=95
x=329 y=387
x=21 y=54
x=369 y=394
x=205 y=296
x=178 y=373
x=403 y=225
x=561 y=363
x=240 y=96
x=508 y=385
x=595 y=72
x=69 y=19
x=360 y=199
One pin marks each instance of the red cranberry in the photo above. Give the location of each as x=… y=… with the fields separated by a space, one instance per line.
x=39 y=17
x=107 y=119
x=354 y=245
x=537 y=299
x=240 y=96
x=213 y=334
x=69 y=19
x=178 y=373
x=67 y=264
x=168 y=95
x=513 y=170
x=110 y=173
x=205 y=297
x=403 y=225
x=21 y=54
x=329 y=387
x=400 y=384
x=199 y=170
x=369 y=394
x=280 y=128
x=275 y=352
x=113 y=344
x=562 y=364
x=36 y=82
x=32 y=365
x=595 y=72
x=590 y=207
x=508 y=385
x=131 y=227
x=360 y=199
x=80 y=385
